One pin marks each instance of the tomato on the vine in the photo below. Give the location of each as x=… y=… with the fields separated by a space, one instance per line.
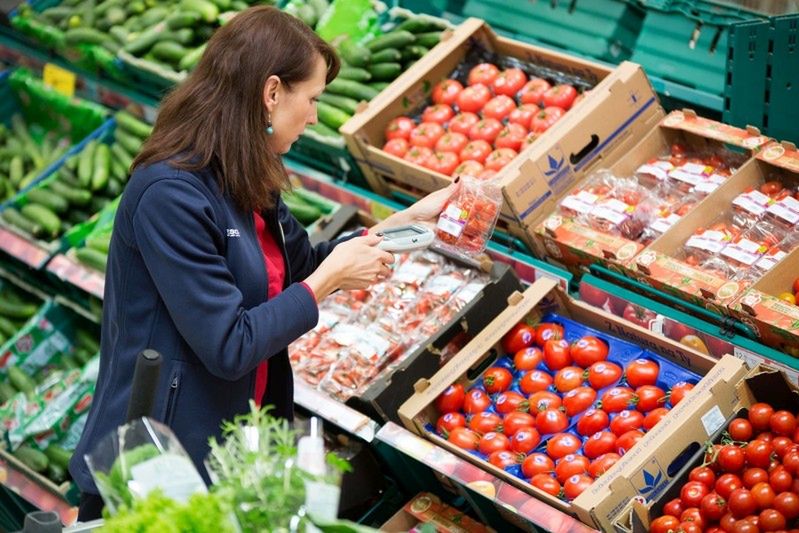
x=537 y=463
x=515 y=421
x=713 y=506
x=497 y=379
x=493 y=441
x=592 y=421
x=551 y=421
x=731 y=458
x=740 y=429
x=704 y=475
x=602 y=464
x=476 y=401
x=578 y=400
x=782 y=423
x=451 y=399
x=485 y=422
x=758 y=453
x=520 y=336
x=556 y=354
x=625 y=421
x=741 y=503
x=562 y=444
x=726 y=483
x=528 y=359
x=760 y=416
x=603 y=374
x=642 y=372
x=692 y=493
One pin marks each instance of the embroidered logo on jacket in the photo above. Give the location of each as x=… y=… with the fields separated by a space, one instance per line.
x=233 y=232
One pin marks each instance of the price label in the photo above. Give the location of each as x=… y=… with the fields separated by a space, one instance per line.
x=380 y=211
x=59 y=79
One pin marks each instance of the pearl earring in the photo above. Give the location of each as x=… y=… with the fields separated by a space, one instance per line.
x=269 y=129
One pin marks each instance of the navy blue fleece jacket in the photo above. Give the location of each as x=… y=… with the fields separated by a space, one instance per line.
x=186 y=277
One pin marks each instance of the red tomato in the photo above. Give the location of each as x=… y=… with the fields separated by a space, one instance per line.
x=397 y=147
x=476 y=401
x=692 y=493
x=625 y=421
x=540 y=401
x=499 y=107
x=673 y=507
x=497 y=379
x=599 y=443
x=588 y=350
x=449 y=421
x=525 y=440
x=551 y=421
x=782 y=423
x=418 y=155
x=556 y=354
x=731 y=458
x=523 y=115
x=689 y=526
x=426 y=134
x=654 y=416
x=592 y=421
x=475 y=151
x=512 y=136
x=503 y=459
x=642 y=372
x=537 y=463
x=758 y=453
x=603 y=374
x=760 y=416
x=515 y=421
x=562 y=444
x=726 y=483
x=533 y=91
x=664 y=524
x=704 y=475
x=546 y=118
x=486 y=130
x=530 y=139
x=578 y=400
x=528 y=359
x=484 y=73
x=440 y=113
x=534 y=381
x=602 y=464
x=764 y=495
x=650 y=397
x=781 y=445
x=627 y=440
x=771 y=520
x=547 y=331
x=678 y=392
x=468 y=168
x=617 y=399
x=446 y=92
x=713 y=506
x=499 y=158
x=741 y=503
x=451 y=399
x=780 y=480
x=509 y=82
x=560 y=96
x=493 y=441
x=443 y=162
x=787 y=504
x=791 y=461
x=570 y=465
x=400 y=128
x=464 y=438
x=740 y=429
x=452 y=142
x=473 y=98
x=509 y=401
x=546 y=483
x=485 y=422
x=638 y=315
x=575 y=485
x=568 y=378
x=463 y=122
x=753 y=476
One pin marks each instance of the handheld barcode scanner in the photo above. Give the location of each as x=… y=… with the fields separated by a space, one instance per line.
x=406 y=238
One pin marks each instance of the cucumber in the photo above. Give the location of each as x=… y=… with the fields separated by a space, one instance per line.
x=354 y=73
x=207 y=10
x=7 y=391
x=49 y=199
x=69 y=363
x=133 y=125
x=354 y=54
x=169 y=51
x=414 y=52
x=153 y=15
x=420 y=25
x=307 y=14
x=312 y=199
x=96 y=205
x=101 y=243
x=428 y=40
x=191 y=59
x=44 y=217
x=15 y=218
x=102 y=167
x=238 y=5
x=92 y=258
x=87 y=340
x=319 y=6
x=7 y=327
x=385 y=71
x=113 y=188
x=57 y=13
x=395 y=39
x=83 y=356
x=120 y=34
x=32 y=458
x=387 y=55
x=72 y=195
x=16 y=170
x=145 y=40
x=305 y=214
x=351 y=89
x=223 y=5
x=342 y=102
x=183 y=19
x=103 y=8
x=85 y=163
x=379 y=85
x=56 y=473
x=20 y=380
x=330 y=116
x=76 y=36
x=20 y=311
x=182 y=36
x=131 y=144
x=120 y=155
x=67 y=177
x=118 y=171
x=115 y=16
x=323 y=130
x=78 y=216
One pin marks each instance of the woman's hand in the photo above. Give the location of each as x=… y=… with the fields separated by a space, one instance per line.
x=353 y=264
x=425 y=211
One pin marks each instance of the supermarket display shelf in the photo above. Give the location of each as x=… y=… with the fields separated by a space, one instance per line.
x=333 y=411
x=28 y=252
x=16 y=480
x=70 y=270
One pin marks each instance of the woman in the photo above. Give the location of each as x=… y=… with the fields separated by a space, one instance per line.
x=207 y=265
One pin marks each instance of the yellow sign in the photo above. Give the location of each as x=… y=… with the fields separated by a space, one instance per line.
x=59 y=79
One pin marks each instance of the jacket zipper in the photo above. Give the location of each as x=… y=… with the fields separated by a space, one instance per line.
x=171 y=400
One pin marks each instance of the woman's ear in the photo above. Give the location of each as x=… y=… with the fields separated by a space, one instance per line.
x=271 y=92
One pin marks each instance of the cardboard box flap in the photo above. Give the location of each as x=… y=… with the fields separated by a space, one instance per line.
x=688 y=120
x=783 y=155
x=766 y=384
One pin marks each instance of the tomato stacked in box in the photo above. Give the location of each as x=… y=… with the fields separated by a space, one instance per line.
x=747 y=482
x=562 y=405
x=479 y=128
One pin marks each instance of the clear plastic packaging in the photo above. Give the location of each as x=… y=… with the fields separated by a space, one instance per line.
x=626 y=210
x=744 y=251
x=708 y=242
x=672 y=206
x=584 y=198
x=468 y=220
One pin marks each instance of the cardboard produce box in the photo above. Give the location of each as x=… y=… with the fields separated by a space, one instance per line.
x=595 y=507
x=760 y=384
x=573 y=244
x=616 y=112
x=427 y=508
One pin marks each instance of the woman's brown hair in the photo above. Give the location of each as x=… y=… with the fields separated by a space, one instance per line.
x=217 y=119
